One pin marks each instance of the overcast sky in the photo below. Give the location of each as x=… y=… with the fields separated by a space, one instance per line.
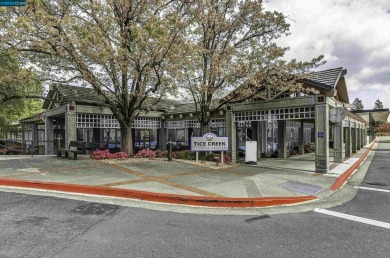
x=353 y=34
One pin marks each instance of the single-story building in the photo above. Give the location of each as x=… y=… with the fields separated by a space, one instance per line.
x=281 y=122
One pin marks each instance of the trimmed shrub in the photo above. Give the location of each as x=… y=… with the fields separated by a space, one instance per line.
x=226 y=159
x=163 y=154
x=105 y=154
x=210 y=157
x=145 y=153
x=120 y=155
x=184 y=154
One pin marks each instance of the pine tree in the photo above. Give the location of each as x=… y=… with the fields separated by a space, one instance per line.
x=378 y=104
x=357 y=104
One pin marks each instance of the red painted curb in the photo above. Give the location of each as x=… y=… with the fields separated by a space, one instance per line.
x=158 y=197
x=344 y=177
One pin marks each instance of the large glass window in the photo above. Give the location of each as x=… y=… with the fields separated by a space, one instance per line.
x=178 y=137
x=145 y=138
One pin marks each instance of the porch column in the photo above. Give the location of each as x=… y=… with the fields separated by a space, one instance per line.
x=353 y=138
x=162 y=139
x=322 y=138
x=348 y=142
x=231 y=132
x=49 y=141
x=34 y=142
x=259 y=139
x=282 y=139
x=301 y=140
x=24 y=148
x=70 y=128
x=264 y=137
x=338 y=151
x=358 y=138
x=363 y=136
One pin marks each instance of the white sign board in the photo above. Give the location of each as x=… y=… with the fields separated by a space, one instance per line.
x=251 y=151
x=209 y=142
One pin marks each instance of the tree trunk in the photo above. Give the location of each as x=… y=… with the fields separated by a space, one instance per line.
x=205 y=127
x=127 y=140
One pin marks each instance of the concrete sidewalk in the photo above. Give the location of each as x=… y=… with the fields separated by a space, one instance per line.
x=272 y=182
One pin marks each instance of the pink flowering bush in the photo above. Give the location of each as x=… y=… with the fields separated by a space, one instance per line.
x=145 y=154
x=105 y=154
x=161 y=154
x=226 y=159
x=121 y=155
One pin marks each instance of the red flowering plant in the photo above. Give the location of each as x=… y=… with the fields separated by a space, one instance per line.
x=105 y=154
x=226 y=159
x=145 y=153
x=121 y=155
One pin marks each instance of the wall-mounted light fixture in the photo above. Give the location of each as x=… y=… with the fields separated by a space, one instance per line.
x=171 y=116
x=181 y=115
x=221 y=112
x=72 y=106
x=191 y=115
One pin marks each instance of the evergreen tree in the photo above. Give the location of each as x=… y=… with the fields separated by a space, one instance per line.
x=357 y=104
x=378 y=104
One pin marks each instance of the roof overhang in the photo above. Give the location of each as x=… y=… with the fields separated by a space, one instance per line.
x=35 y=119
x=376 y=114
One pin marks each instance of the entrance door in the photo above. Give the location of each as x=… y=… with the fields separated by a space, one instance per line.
x=272 y=138
x=244 y=133
x=142 y=139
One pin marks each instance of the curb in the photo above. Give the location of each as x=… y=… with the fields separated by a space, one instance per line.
x=158 y=197
x=341 y=180
x=183 y=199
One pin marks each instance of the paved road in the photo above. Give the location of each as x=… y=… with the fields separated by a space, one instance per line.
x=38 y=226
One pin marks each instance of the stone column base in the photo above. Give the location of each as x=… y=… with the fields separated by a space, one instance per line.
x=322 y=165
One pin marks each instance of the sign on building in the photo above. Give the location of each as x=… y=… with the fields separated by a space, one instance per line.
x=209 y=142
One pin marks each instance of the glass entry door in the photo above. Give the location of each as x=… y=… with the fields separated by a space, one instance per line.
x=272 y=138
x=145 y=138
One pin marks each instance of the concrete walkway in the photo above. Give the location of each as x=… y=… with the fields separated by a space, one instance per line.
x=271 y=182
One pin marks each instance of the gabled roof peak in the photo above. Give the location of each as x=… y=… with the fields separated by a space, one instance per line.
x=326 y=78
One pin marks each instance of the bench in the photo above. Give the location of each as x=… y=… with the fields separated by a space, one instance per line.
x=75 y=147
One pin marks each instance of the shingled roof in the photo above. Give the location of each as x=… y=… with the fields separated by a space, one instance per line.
x=78 y=94
x=189 y=107
x=325 y=79
x=82 y=95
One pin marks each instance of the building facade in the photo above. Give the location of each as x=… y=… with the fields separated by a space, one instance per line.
x=284 y=122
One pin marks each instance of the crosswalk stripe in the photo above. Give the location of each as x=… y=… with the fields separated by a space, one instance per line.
x=354 y=218
x=373 y=189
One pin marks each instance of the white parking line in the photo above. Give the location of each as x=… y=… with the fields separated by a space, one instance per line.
x=373 y=189
x=354 y=218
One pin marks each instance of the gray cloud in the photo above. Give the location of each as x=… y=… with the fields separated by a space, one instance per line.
x=352 y=34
